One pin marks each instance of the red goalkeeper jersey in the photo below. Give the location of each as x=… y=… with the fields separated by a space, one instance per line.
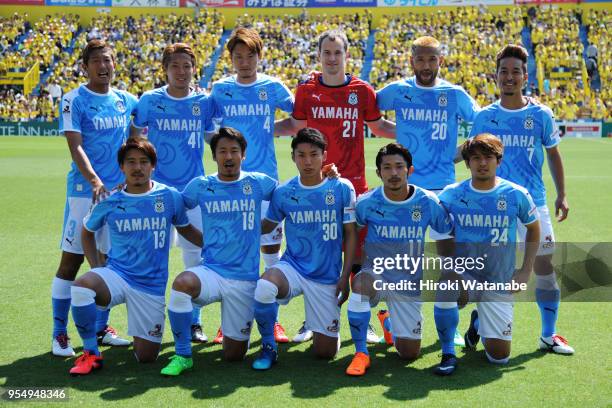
x=339 y=112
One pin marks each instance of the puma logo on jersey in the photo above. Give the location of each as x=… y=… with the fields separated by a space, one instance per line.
x=317 y=97
x=464 y=201
x=381 y=213
x=494 y=121
x=161 y=108
x=408 y=97
x=210 y=189
x=295 y=199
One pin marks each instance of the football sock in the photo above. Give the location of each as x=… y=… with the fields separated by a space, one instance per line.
x=180 y=313
x=84 y=316
x=266 y=310
x=548 y=299
x=446 y=316
x=102 y=319
x=60 y=304
x=359 y=318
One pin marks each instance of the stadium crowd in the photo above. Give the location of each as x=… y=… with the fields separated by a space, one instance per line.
x=470 y=36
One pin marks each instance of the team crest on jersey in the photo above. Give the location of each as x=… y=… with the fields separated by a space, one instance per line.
x=442 y=100
x=195 y=109
x=263 y=95
x=501 y=204
x=528 y=123
x=159 y=205
x=120 y=106
x=416 y=214
x=353 y=98
x=246 y=188
x=330 y=199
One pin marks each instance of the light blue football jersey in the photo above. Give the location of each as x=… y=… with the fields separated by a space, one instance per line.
x=231 y=221
x=103 y=120
x=427 y=121
x=139 y=227
x=250 y=109
x=399 y=227
x=523 y=132
x=176 y=128
x=314 y=218
x=485 y=223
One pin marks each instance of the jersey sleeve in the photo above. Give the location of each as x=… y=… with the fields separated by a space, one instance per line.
x=360 y=212
x=208 y=113
x=180 y=215
x=476 y=126
x=528 y=212
x=71 y=113
x=191 y=192
x=132 y=102
x=551 y=137
x=384 y=97
x=141 y=112
x=215 y=109
x=348 y=203
x=96 y=217
x=284 y=97
x=440 y=220
x=268 y=185
x=468 y=107
x=372 y=112
x=299 y=107
x=275 y=211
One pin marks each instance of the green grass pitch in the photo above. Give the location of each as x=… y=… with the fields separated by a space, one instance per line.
x=32 y=180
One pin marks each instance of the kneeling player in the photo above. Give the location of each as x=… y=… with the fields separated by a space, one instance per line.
x=139 y=219
x=230 y=201
x=486 y=210
x=397 y=216
x=319 y=218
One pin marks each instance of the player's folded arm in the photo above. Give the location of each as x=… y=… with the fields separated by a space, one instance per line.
x=268 y=225
x=191 y=234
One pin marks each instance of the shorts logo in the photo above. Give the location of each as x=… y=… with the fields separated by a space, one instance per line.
x=508 y=331
x=442 y=100
x=120 y=106
x=159 y=205
x=246 y=188
x=417 y=329
x=247 y=328
x=195 y=109
x=157 y=331
x=548 y=242
x=352 y=99
x=528 y=123
x=416 y=214
x=501 y=204
x=279 y=233
x=334 y=327
x=263 y=95
x=330 y=199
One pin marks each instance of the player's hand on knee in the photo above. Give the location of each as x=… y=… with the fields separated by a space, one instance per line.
x=342 y=291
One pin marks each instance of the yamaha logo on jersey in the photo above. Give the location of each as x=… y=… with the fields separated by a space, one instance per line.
x=246 y=188
x=120 y=106
x=416 y=214
x=330 y=199
x=263 y=95
x=501 y=204
x=159 y=205
x=353 y=98
x=195 y=109
x=442 y=100
x=528 y=123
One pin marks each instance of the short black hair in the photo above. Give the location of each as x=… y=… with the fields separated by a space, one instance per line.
x=309 y=135
x=391 y=149
x=228 y=133
x=137 y=143
x=512 y=51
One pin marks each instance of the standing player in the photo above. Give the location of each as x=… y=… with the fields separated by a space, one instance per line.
x=525 y=128
x=397 y=215
x=339 y=105
x=177 y=117
x=487 y=211
x=139 y=219
x=230 y=201
x=247 y=102
x=319 y=218
x=428 y=110
x=95 y=119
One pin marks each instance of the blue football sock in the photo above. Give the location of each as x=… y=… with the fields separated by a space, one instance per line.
x=358 y=322
x=265 y=315
x=85 y=321
x=447 y=321
x=548 y=302
x=277 y=307
x=102 y=319
x=476 y=324
x=180 y=322
x=61 y=309
x=196 y=315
